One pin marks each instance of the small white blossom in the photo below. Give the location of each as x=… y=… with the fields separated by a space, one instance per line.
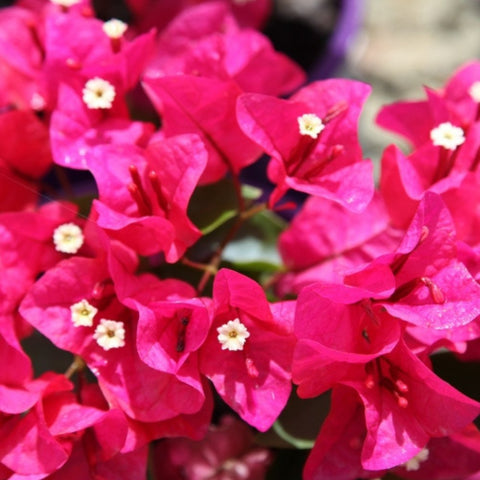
x=414 y=463
x=110 y=334
x=68 y=238
x=310 y=124
x=65 y=3
x=98 y=93
x=114 y=28
x=83 y=313
x=37 y=102
x=233 y=335
x=447 y=136
x=474 y=91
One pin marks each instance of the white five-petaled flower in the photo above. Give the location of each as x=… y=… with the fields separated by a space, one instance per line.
x=447 y=136
x=474 y=91
x=414 y=463
x=110 y=334
x=233 y=335
x=98 y=93
x=68 y=238
x=310 y=124
x=83 y=313
x=114 y=28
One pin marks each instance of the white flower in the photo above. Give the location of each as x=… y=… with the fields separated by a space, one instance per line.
x=310 y=124
x=414 y=463
x=474 y=91
x=110 y=334
x=233 y=335
x=83 y=313
x=98 y=93
x=114 y=28
x=447 y=136
x=68 y=238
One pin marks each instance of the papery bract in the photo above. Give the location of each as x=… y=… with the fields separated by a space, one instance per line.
x=144 y=194
x=254 y=381
x=325 y=241
x=329 y=165
x=120 y=371
x=206 y=107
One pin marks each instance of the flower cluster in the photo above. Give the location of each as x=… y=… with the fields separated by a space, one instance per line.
x=142 y=276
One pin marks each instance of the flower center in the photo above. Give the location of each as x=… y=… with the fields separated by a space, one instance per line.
x=68 y=238
x=310 y=124
x=98 y=93
x=114 y=28
x=447 y=136
x=233 y=335
x=83 y=313
x=110 y=334
x=414 y=463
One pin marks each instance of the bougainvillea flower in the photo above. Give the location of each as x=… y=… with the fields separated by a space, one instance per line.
x=78 y=49
x=75 y=129
x=405 y=404
x=106 y=340
x=325 y=241
x=457 y=102
x=41 y=440
x=169 y=332
x=144 y=194
x=454 y=176
x=446 y=458
x=88 y=80
x=149 y=13
x=433 y=288
x=22 y=162
x=430 y=408
x=248 y=352
x=27 y=242
x=216 y=47
x=21 y=58
x=14 y=394
x=226 y=453
x=312 y=139
x=334 y=337
x=336 y=454
x=206 y=107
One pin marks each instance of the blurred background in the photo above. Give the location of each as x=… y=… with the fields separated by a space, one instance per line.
x=405 y=44
x=395 y=45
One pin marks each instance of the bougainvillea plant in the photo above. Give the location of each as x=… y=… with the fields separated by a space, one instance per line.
x=159 y=317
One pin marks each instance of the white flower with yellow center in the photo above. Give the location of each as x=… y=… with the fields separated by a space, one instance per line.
x=68 y=238
x=447 y=136
x=414 y=463
x=110 y=334
x=233 y=335
x=65 y=3
x=98 y=93
x=114 y=28
x=310 y=124
x=474 y=91
x=83 y=313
